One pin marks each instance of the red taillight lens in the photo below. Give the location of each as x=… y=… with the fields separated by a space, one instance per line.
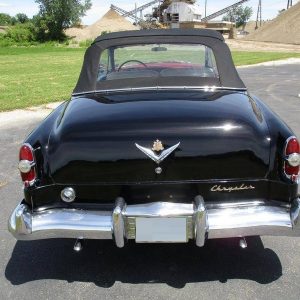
x=292 y=153
x=292 y=146
x=26 y=153
x=26 y=164
x=28 y=177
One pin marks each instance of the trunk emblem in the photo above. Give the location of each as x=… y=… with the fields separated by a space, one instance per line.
x=160 y=154
x=157 y=146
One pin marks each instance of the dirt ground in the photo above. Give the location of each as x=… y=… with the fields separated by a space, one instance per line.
x=242 y=45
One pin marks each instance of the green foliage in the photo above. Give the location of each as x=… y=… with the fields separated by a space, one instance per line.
x=5 y=42
x=13 y=21
x=57 y=15
x=21 y=33
x=239 y=15
x=5 y=19
x=22 y=18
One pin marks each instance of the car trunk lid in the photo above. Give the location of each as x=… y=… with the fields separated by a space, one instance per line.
x=222 y=136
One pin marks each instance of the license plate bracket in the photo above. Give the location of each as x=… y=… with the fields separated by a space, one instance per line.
x=161 y=230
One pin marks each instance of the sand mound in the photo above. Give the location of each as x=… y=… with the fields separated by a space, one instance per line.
x=283 y=29
x=110 y=22
x=250 y=26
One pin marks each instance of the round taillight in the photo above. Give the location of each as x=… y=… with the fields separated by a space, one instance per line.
x=292 y=159
x=27 y=164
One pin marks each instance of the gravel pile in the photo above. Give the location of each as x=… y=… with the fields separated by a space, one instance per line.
x=283 y=29
x=110 y=22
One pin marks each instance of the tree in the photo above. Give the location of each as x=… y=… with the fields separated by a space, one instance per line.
x=57 y=15
x=5 y=19
x=239 y=15
x=22 y=18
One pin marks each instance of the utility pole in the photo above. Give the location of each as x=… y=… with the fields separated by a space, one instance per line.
x=289 y=4
x=259 y=15
x=205 y=7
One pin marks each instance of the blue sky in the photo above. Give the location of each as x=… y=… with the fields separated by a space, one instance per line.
x=29 y=7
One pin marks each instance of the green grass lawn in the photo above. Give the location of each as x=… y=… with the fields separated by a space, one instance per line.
x=38 y=75
x=241 y=58
x=34 y=76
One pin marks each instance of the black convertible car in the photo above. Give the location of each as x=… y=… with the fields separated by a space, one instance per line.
x=160 y=142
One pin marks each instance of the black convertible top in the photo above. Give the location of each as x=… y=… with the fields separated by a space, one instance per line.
x=229 y=77
x=164 y=32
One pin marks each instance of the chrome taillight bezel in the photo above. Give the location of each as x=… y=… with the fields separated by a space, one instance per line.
x=292 y=177
x=28 y=183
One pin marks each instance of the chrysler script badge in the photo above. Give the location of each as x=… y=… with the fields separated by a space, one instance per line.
x=158 y=153
x=229 y=189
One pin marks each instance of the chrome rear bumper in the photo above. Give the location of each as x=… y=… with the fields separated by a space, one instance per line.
x=204 y=220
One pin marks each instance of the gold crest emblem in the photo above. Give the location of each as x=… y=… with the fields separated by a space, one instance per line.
x=158 y=146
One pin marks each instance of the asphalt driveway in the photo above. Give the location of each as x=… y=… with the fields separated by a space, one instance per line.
x=268 y=269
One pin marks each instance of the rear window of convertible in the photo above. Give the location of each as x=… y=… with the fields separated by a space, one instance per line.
x=157 y=60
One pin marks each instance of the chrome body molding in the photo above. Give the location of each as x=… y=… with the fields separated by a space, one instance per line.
x=203 y=220
x=162 y=88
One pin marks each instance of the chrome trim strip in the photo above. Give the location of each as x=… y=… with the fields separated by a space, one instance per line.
x=157 y=88
x=204 y=220
x=237 y=204
x=159 y=209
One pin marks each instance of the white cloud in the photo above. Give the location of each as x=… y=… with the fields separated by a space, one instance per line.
x=13 y=7
x=3 y=4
